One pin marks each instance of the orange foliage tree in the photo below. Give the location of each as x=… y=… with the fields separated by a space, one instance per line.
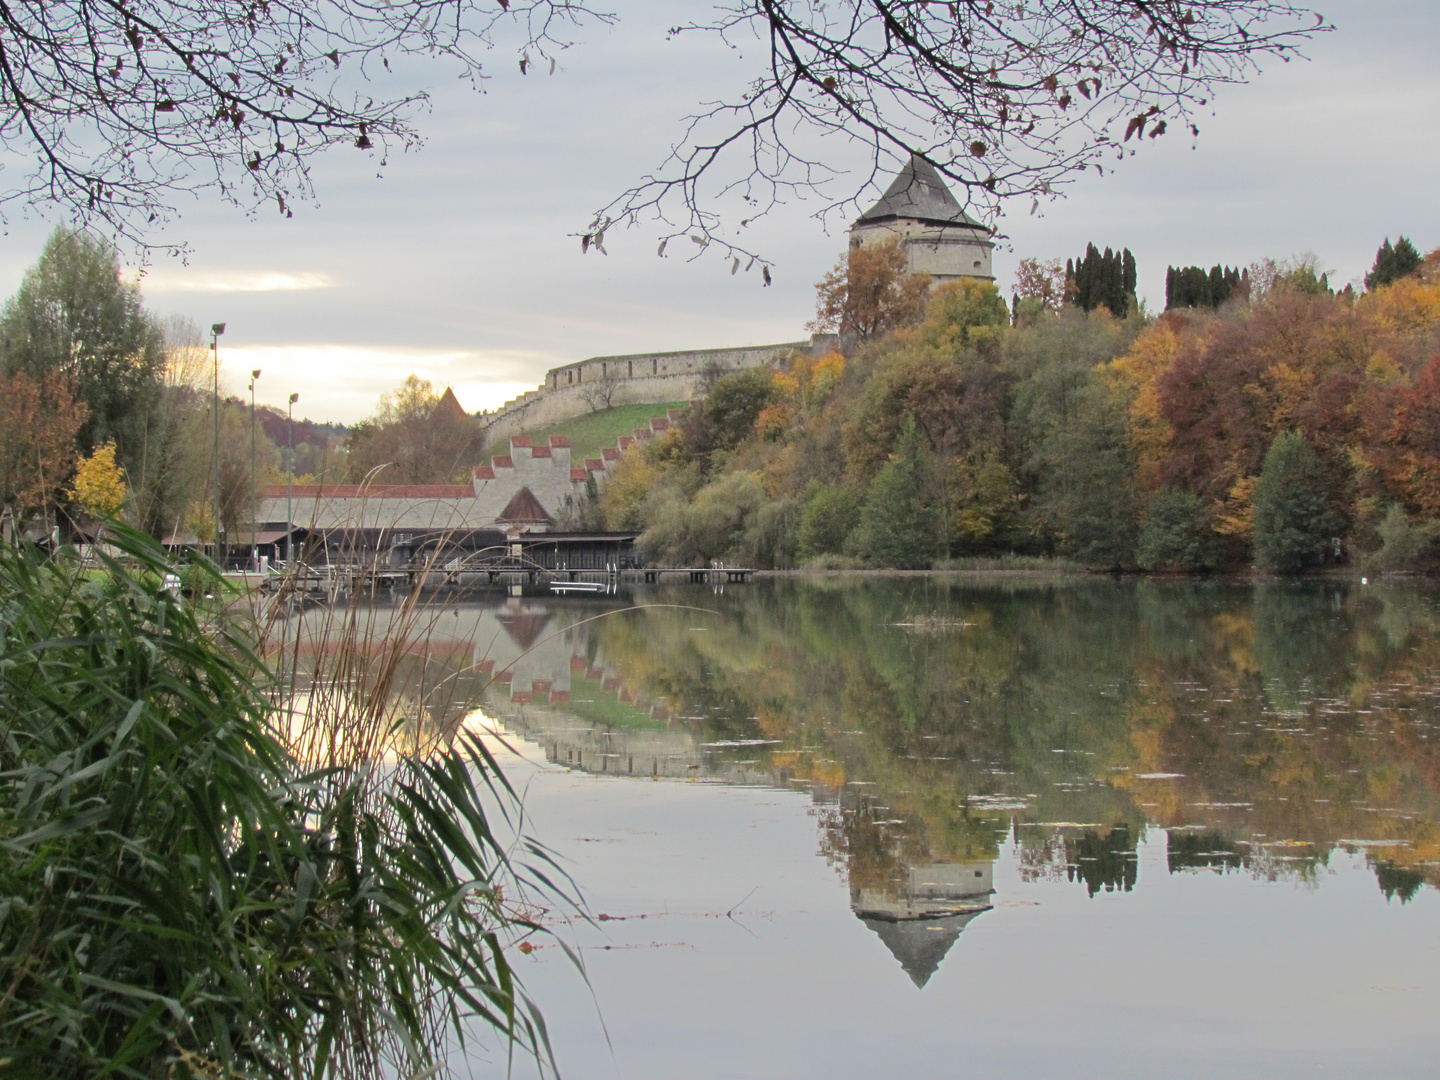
x=39 y=420
x=869 y=293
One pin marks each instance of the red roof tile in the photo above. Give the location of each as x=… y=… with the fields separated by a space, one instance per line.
x=559 y=440
x=520 y=440
x=610 y=453
x=540 y=451
x=659 y=423
x=594 y=464
x=371 y=491
x=577 y=474
x=627 y=441
x=502 y=461
x=483 y=472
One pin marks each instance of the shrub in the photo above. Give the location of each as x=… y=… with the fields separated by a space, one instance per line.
x=1176 y=533
x=1404 y=545
x=829 y=516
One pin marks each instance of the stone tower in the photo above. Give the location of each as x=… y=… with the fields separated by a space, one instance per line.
x=938 y=237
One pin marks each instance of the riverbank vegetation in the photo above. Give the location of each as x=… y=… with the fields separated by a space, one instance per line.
x=1287 y=427
x=209 y=870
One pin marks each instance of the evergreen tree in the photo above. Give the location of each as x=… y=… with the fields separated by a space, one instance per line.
x=1106 y=278
x=898 y=525
x=1293 y=520
x=1194 y=287
x=1393 y=263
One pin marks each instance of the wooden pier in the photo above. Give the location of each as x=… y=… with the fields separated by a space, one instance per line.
x=353 y=579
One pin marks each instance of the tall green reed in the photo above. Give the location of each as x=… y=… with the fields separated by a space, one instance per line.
x=209 y=870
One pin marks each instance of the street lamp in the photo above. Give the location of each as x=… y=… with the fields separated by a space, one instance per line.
x=216 y=329
x=254 y=493
x=290 y=484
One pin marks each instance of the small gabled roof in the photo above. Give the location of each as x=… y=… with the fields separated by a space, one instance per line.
x=918 y=192
x=524 y=509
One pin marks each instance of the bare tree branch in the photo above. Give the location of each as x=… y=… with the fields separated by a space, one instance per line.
x=126 y=105
x=1006 y=100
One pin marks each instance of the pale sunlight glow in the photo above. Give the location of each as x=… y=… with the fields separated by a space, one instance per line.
x=343 y=383
x=264 y=281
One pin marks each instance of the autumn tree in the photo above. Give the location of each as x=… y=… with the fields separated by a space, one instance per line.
x=39 y=420
x=99 y=489
x=419 y=436
x=1040 y=285
x=75 y=316
x=869 y=293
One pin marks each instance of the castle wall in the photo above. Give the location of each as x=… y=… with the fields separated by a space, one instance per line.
x=642 y=378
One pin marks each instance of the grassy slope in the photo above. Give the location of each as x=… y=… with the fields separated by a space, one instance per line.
x=593 y=431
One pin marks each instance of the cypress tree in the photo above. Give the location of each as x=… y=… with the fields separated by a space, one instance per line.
x=1393 y=263
x=1169 y=287
x=1132 y=279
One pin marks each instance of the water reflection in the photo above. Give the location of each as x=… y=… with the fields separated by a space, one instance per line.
x=1260 y=728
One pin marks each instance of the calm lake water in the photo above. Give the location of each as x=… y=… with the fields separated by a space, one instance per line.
x=932 y=827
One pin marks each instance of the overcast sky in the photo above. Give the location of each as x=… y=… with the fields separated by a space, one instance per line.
x=460 y=264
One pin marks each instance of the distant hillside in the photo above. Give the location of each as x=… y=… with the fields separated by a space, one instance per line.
x=592 y=432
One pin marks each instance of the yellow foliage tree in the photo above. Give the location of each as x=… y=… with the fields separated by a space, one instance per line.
x=99 y=489
x=1138 y=372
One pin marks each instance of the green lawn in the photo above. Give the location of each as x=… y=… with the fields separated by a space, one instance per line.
x=594 y=431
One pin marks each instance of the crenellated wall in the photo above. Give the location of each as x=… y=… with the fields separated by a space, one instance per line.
x=545 y=469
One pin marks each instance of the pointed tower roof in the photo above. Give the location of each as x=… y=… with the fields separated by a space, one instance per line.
x=919 y=944
x=918 y=192
x=449 y=405
x=524 y=509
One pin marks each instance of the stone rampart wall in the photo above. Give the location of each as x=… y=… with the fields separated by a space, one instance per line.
x=642 y=378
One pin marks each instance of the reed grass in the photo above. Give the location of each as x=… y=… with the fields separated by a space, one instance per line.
x=238 y=845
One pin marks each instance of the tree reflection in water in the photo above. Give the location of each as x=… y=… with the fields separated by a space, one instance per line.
x=1262 y=727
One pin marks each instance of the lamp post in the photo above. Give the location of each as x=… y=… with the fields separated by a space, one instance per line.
x=216 y=329
x=254 y=493
x=290 y=484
